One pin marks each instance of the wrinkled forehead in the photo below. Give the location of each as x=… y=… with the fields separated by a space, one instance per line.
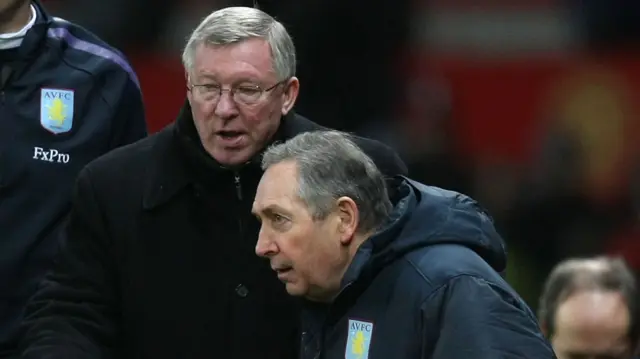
x=278 y=186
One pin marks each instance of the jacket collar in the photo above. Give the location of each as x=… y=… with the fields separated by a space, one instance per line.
x=181 y=160
x=167 y=175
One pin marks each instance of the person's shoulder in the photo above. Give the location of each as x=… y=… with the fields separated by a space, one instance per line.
x=82 y=49
x=439 y=264
x=430 y=274
x=371 y=145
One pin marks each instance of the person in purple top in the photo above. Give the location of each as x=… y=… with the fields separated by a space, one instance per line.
x=66 y=98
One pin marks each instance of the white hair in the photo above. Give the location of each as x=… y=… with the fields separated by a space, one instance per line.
x=235 y=24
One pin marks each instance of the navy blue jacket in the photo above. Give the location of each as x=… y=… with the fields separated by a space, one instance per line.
x=427 y=287
x=65 y=98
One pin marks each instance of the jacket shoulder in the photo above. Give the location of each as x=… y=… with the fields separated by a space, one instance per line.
x=439 y=264
x=82 y=49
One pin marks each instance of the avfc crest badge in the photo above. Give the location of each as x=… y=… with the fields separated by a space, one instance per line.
x=56 y=110
x=359 y=339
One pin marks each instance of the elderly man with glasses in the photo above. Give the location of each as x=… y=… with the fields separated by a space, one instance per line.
x=158 y=258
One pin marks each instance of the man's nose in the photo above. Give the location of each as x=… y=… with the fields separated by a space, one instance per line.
x=226 y=107
x=265 y=247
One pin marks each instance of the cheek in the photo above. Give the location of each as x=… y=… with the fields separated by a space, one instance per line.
x=199 y=110
x=301 y=249
x=202 y=116
x=322 y=259
x=261 y=120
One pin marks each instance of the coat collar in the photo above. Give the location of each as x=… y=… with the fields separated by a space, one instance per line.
x=180 y=160
x=167 y=175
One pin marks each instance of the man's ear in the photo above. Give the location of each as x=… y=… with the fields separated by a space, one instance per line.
x=349 y=218
x=290 y=94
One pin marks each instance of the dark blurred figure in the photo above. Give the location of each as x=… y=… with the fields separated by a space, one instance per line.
x=347 y=56
x=589 y=309
x=427 y=134
x=554 y=216
x=424 y=134
x=126 y=24
x=609 y=24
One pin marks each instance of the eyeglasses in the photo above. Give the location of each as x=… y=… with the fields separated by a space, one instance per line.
x=244 y=94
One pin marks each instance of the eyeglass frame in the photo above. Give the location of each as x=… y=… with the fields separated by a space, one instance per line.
x=232 y=90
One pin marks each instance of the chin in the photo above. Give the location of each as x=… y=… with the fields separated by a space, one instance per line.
x=295 y=290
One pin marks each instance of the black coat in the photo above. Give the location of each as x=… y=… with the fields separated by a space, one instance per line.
x=159 y=261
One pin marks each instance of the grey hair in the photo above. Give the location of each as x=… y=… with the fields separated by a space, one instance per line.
x=235 y=24
x=330 y=165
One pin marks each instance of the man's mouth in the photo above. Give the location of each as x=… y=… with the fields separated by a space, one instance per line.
x=230 y=135
x=232 y=138
x=282 y=270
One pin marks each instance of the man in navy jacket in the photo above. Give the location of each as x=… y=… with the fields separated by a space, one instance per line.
x=416 y=280
x=66 y=98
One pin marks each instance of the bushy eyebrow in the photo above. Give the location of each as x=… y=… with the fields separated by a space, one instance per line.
x=268 y=210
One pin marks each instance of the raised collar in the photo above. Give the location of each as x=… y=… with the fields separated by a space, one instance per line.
x=167 y=174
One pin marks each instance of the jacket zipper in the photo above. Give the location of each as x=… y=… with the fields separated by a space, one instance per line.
x=5 y=73
x=236 y=180
x=319 y=354
x=238 y=184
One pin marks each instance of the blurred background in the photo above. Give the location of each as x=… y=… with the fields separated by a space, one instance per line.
x=530 y=106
